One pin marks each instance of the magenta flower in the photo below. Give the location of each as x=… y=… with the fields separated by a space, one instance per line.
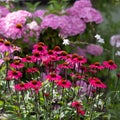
x=21 y=86
x=96 y=82
x=17 y=64
x=53 y=77
x=64 y=83
x=76 y=104
x=57 y=50
x=34 y=84
x=6 y=46
x=40 y=48
x=65 y=65
x=97 y=66
x=110 y=64
x=29 y=59
x=14 y=74
x=32 y=70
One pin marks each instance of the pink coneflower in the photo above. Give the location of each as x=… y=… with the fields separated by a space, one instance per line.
x=34 y=84
x=29 y=59
x=76 y=60
x=65 y=65
x=21 y=86
x=63 y=55
x=32 y=70
x=97 y=65
x=13 y=25
x=53 y=77
x=64 y=83
x=57 y=50
x=6 y=47
x=77 y=76
x=14 y=74
x=81 y=112
x=40 y=48
x=37 y=55
x=17 y=64
x=96 y=82
x=110 y=64
x=1 y=41
x=76 y=104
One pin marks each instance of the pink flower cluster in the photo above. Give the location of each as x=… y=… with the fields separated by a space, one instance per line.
x=56 y=71
x=14 y=25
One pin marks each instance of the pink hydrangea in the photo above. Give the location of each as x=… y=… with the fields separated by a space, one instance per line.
x=94 y=49
x=82 y=3
x=3 y=11
x=84 y=10
x=71 y=25
x=51 y=21
x=13 y=25
x=39 y=13
x=91 y=15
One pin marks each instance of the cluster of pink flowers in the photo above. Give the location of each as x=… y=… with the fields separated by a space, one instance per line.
x=56 y=72
x=33 y=84
x=14 y=25
x=58 y=69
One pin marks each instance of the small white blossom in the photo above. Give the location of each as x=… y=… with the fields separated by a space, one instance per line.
x=33 y=25
x=99 y=39
x=97 y=36
x=66 y=41
x=117 y=53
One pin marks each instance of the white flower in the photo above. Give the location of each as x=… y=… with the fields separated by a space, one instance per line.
x=99 y=39
x=117 y=53
x=33 y=25
x=66 y=41
x=97 y=36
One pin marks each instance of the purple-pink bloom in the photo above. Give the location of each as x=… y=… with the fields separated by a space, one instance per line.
x=39 y=13
x=3 y=11
x=51 y=21
x=71 y=25
x=94 y=49
x=13 y=25
x=89 y=14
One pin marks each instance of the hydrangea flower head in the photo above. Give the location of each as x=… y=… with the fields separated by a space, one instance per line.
x=3 y=11
x=94 y=49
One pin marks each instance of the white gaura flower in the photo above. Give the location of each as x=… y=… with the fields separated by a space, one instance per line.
x=117 y=53
x=97 y=36
x=33 y=25
x=66 y=41
x=99 y=39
